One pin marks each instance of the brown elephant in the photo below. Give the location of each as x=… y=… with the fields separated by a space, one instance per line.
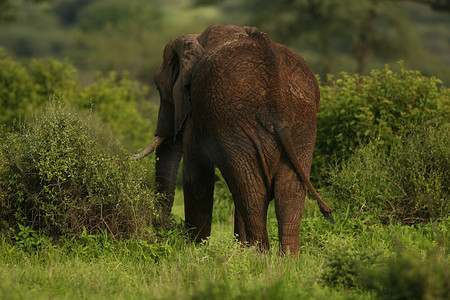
x=232 y=98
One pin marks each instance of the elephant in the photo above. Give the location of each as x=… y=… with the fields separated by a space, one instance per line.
x=232 y=98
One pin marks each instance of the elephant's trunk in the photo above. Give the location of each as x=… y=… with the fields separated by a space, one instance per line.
x=168 y=157
x=150 y=148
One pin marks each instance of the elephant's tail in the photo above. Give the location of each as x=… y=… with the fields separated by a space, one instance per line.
x=288 y=145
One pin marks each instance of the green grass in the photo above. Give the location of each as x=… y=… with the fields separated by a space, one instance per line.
x=348 y=260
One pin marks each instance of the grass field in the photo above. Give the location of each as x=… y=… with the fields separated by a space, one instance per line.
x=347 y=260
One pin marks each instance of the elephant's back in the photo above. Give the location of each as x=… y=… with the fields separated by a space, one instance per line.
x=253 y=76
x=230 y=80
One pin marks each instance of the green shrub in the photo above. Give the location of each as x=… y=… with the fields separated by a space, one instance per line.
x=17 y=90
x=357 y=109
x=403 y=274
x=116 y=99
x=408 y=275
x=53 y=77
x=344 y=268
x=56 y=179
x=409 y=184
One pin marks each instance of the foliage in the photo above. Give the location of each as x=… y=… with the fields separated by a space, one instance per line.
x=123 y=106
x=28 y=240
x=8 y=12
x=404 y=274
x=410 y=184
x=24 y=90
x=16 y=89
x=52 y=77
x=344 y=268
x=56 y=179
x=380 y=106
x=408 y=275
x=114 y=98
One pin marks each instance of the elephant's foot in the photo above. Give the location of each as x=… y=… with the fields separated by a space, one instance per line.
x=290 y=244
x=251 y=220
x=288 y=233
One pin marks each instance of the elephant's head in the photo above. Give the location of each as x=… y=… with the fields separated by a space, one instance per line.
x=173 y=80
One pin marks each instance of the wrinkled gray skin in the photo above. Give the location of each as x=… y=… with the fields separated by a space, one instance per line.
x=232 y=98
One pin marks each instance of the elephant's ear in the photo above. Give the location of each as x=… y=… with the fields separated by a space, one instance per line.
x=189 y=51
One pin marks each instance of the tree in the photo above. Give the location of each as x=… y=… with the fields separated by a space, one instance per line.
x=330 y=28
x=8 y=10
x=442 y=5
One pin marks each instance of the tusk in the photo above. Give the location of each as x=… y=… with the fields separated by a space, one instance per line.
x=150 y=148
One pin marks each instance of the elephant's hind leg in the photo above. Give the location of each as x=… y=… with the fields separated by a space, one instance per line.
x=253 y=213
x=290 y=195
x=251 y=203
x=239 y=226
x=245 y=177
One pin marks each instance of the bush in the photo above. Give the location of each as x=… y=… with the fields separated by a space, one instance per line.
x=409 y=184
x=407 y=275
x=381 y=106
x=118 y=101
x=55 y=178
x=114 y=98
x=345 y=268
x=23 y=91
x=17 y=91
x=52 y=77
x=403 y=274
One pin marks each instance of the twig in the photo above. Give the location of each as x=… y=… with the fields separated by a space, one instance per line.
x=103 y=219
